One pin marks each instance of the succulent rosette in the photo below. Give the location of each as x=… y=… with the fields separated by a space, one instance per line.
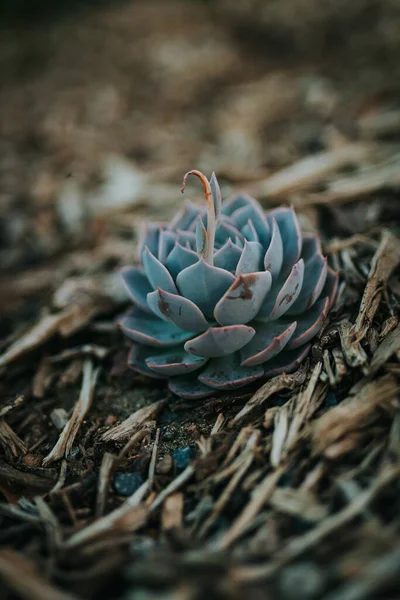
x=225 y=295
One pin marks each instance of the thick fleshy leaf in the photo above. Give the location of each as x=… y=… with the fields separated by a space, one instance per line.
x=274 y=256
x=254 y=213
x=151 y=331
x=225 y=231
x=282 y=294
x=178 y=310
x=286 y=361
x=165 y=244
x=149 y=237
x=185 y=217
x=226 y=373
x=237 y=201
x=220 y=341
x=249 y=232
x=177 y=362
x=137 y=285
x=291 y=235
x=187 y=237
x=136 y=360
x=190 y=388
x=269 y=340
x=204 y=285
x=180 y=258
x=311 y=246
x=309 y=323
x=157 y=273
x=216 y=194
x=251 y=258
x=243 y=299
x=228 y=256
x=315 y=271
x=330 y=287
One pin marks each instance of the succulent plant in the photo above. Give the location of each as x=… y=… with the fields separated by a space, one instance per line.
x=225 y=295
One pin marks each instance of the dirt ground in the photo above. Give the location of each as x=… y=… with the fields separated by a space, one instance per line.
x=111 y=487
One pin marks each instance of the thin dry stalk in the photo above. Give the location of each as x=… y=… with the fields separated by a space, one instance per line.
x=66 y=440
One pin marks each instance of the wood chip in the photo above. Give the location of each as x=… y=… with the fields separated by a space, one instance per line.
x=21 y=576
x=312 y=169
x=385 y=260
x=354 y=413
x=67 y=437
x=172 y=512
x=277 y=384
x=133 y=422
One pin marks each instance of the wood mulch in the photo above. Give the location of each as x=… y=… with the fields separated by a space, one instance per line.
x=111 y=487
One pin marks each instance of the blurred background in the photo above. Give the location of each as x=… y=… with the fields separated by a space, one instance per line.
x=105 y=104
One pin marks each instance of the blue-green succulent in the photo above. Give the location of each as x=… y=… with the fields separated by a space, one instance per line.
x=225 y=295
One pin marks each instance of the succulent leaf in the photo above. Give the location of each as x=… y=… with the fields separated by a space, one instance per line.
x=157 y=273
x=251 y=258
x=225 y=295
x=269 y=340
x=204 y=285
x=151 y=331
x=180 y=258
x=178 y=310
x=243 y=299
x=137 y=285
x=220 y=341
x=274 y=255
x=174 y=363
x=226 y=373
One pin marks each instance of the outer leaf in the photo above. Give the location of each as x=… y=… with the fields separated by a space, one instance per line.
x=151 y=331
x=174 y=363
x=282 y=294
x=287 y=361
x=315 y=272
x=137 y=285
x=330 y=287
x=204 y=285
x=157 y=273
x=227 y=374
x=243 y=299
x=220 y=341
x=178 y=310
x=189 y=388
x=291 y=235
x=309 y=323
x=136 y=360
x=268 y=341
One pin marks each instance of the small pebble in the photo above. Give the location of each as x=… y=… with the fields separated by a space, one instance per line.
x=183 y=456
x=125 y=484
x=59 y=417
x=303 y=581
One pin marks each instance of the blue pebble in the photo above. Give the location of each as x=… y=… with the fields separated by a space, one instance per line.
x=125 y=484
x=183 y=456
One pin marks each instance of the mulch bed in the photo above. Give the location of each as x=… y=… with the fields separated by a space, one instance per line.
x=110 y=486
